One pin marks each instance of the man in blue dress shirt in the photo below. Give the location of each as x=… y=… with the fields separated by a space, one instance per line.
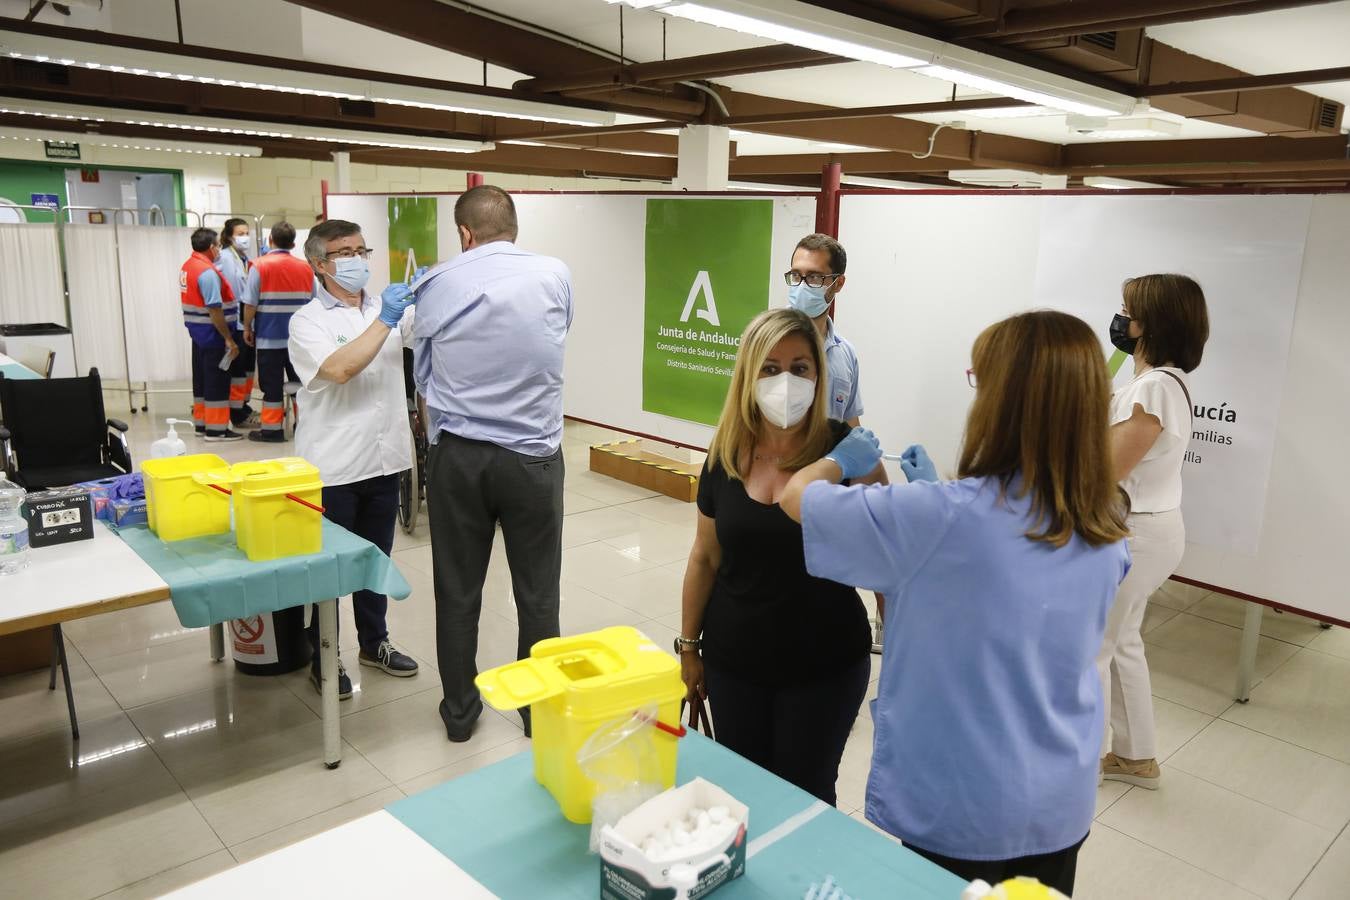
x=488 y=349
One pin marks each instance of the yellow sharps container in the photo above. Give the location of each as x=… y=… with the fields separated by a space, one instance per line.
x=178 y=505
x=278 y=507
x=573 y=685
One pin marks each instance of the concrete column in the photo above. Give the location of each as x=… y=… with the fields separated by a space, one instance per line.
x=342 y=178
x=705 y=158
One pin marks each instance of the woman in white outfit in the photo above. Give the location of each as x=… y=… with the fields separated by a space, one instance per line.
x=1164 y=325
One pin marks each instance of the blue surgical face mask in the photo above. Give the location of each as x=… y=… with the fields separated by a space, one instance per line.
x=351 y=273
x=810 y=300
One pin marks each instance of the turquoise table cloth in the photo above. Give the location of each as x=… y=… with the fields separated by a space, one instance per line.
x=213 y=581
x=16 y=371
x=500 y=826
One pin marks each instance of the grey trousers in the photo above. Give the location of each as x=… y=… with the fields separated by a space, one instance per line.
x=471 y=486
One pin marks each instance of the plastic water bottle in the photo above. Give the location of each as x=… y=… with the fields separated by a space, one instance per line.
x=13 y=529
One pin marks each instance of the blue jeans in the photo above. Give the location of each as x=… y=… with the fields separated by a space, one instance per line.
x=367 y=509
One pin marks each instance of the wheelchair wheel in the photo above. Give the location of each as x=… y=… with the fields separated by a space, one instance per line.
x=409 y=496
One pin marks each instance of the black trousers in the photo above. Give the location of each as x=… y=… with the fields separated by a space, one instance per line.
x=241 y=380
x=1056 y=870
x=274 y=369
x=471 y=486
x=210 y=389
x=367 y=509
x=798 y=733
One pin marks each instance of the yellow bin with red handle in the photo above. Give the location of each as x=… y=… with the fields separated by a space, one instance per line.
x=573 y=685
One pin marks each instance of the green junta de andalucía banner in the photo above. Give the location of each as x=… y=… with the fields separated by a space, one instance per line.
x=708 y=267
x=412 y=235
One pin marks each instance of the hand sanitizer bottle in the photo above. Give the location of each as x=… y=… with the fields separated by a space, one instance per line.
x=171 y=444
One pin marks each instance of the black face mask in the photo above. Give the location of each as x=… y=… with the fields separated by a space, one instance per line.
x=1120 y=334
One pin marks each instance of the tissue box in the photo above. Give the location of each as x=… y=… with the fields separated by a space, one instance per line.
x=627 y=873
x=58 y=516
x=127 y=513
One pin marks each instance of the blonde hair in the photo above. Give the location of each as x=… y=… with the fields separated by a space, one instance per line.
x=741 y=421
x=1041 y=413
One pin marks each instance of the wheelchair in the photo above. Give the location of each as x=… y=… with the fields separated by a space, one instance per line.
x=412 y=483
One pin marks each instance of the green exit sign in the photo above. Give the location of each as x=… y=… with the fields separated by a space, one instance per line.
x=61 y=150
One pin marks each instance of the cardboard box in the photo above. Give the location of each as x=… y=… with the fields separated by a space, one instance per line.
x=627 y=873
x=630 y=463
x=58 y=516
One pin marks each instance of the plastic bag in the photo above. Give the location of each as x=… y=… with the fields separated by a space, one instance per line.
x=620 y=759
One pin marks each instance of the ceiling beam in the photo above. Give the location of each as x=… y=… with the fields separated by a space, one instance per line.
x=1246 y=82
x=870 y=112
x=492 y=38
x=1068 y=19
x=810 y=163
x=712 y=65
x=272 y=62
x=1332 y=149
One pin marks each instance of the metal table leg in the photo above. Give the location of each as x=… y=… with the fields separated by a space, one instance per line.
x=328 y=674
x=59 y=659
x=218 y=641
x=1251 y=635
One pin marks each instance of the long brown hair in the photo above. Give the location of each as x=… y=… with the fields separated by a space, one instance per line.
x=1041 y=414
x=741 y=421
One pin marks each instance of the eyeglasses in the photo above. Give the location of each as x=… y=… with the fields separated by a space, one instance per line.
x=970 y=377
x=813 y=280
x=349 y=253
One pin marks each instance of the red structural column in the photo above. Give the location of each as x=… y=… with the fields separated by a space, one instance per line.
x=473 y=179
x=323 y=193
x=827 y=202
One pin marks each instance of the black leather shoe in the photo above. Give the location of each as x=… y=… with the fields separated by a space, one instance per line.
x=457 y=737
x=400 y=665
x=267 y=437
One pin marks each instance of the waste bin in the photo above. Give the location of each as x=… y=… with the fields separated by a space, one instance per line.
x=270 y=644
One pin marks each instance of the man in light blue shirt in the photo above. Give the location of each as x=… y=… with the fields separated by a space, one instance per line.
x=814 y=281
x=488 y=360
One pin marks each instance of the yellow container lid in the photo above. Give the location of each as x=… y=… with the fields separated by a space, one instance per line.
x=262 y=478
x=599 y=672
x=181 y=466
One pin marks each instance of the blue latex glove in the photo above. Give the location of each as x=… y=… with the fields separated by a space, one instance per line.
x=916 y=465
x=417 y=274
x=395 y=299
x=857 y=454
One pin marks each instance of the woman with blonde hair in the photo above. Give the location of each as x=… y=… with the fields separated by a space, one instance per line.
x=989 y=717
x=783 y=658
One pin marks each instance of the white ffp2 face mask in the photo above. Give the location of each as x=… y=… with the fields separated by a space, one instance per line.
x=784 y=398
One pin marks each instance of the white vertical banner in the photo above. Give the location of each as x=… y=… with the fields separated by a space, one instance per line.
x=30 y=280
x=1247 y=254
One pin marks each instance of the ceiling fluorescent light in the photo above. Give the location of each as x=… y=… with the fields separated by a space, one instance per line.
x=1118 y=184
x=996 y=177
x=75 y=112
x=1011 y=112
x=817 y=28
x=862 y=181
x=40 y=48
x=804 y=25
x=129 y=143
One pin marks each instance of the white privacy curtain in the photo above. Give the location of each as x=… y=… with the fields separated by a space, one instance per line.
x=30 y=275
x=151 y=259
x=95 y=310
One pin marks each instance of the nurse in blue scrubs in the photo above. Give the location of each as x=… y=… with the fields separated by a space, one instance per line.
x=989 y=714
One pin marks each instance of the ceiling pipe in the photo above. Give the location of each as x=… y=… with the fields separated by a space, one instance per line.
x=1069 y=19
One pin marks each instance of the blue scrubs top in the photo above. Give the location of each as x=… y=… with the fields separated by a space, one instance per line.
x=989 y=716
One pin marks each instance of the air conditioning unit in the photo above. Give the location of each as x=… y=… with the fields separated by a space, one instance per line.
x=1001 y=178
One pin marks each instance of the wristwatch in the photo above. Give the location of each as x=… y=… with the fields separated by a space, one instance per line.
x=684 y=645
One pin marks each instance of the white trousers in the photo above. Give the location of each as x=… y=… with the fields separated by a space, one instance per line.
x=1157 y=542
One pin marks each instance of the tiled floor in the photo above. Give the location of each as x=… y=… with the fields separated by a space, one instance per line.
x=185 y=767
